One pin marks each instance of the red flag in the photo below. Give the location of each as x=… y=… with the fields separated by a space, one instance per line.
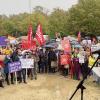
x=25 y=44
x=79 y=36
x=33 y=46
x=39 y=35
x=30 y=32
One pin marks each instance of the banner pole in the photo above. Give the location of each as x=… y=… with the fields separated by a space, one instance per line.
x=26 y=74
x=16 y=77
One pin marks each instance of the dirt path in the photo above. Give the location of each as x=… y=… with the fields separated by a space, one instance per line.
x=49 y=87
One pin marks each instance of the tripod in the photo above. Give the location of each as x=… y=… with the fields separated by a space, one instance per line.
x=80 y=85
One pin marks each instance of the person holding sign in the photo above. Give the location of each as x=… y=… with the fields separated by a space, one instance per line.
x=76 y=64
x=22 y=72
x=83 y=60
x=14 y=58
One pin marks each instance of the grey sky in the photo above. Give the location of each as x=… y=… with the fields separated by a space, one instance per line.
x=18 y=6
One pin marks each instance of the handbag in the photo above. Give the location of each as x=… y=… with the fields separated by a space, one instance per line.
x=53 y=64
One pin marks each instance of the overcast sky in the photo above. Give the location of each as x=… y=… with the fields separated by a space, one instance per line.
x=18 y=6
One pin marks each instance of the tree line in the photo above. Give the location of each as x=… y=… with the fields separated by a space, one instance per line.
x=83 y=17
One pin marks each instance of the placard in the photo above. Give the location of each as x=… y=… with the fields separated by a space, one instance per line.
x=27 y=63
x=64 y=59
x=81 y=59
x=89 y=42
x=94 y=48
x=84 y=42
x=66 y=45
x=14 y=66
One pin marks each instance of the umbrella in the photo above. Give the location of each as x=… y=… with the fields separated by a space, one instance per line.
x=78 y=46
x=48 y=46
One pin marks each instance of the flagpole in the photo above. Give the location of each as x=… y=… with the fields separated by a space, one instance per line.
x=30 y=12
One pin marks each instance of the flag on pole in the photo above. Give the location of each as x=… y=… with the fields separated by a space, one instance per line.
x=30 y=32
x=29 y=43
x=25 y=44
x=79 y=36
x=39 y=35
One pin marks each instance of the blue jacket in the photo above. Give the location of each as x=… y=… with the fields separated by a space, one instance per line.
x=6 y=67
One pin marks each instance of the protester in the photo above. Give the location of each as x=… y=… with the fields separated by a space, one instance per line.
x=46 y=61
x=52 y=61
x=84 y=66
x=76 y=64
x=41 y=62
x=35 y=64
x=7 y=51
x=67 y=65
x=7 y=60
x=1 y=76
x=22 y=72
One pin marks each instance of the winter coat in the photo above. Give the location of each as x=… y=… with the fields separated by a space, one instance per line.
x=6 y=67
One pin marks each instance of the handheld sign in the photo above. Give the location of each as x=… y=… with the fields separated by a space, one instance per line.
x=81 y=59
x=14 y=66
x=27 y=63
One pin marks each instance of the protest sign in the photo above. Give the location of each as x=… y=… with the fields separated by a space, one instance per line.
x=84 y=42
x=94 y=48
x=66 y=45
x=89 y=42
x=14 y=66
x=27 y=63
x=81 y=59
x=64 y=59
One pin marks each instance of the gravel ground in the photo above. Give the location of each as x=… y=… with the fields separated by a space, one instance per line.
x=50 y=87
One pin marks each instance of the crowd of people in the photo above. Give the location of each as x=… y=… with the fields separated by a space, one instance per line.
x=45 y=61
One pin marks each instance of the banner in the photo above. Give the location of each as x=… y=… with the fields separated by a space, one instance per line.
x=81 y=59
x=39 y=35
x=64 y=59
x=3 y=41
x=14 y=66
x=66 y=45
x=27 y=63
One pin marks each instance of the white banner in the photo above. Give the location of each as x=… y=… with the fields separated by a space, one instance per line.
x=27 y=63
